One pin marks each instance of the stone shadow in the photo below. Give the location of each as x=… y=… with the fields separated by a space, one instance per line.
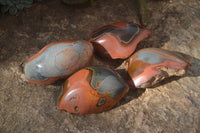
x=98 y=60
x=193 y=71
x=133 y=92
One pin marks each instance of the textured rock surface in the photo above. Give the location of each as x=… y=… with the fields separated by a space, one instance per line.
x=172 y=107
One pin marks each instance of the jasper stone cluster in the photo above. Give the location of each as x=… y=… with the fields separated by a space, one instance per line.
x=94 y=89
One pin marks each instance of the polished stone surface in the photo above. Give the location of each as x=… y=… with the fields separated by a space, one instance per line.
x=150 y=66
x=58 y=60
x=91 y=90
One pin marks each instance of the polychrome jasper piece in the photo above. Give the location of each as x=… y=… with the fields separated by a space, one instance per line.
x=58 y=60
x=118 y=40
x=149 y=66
x=91 y=90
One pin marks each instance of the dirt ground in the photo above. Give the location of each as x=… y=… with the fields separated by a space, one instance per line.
x=172 y=107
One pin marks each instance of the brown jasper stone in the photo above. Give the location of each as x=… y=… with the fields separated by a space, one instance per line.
x=149 y=66
x=118 y=40
x=91 y=90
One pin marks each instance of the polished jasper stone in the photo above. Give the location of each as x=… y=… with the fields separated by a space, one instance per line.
x=149 y=66
x=91 y=90
x=118 y=40
x=58 y=60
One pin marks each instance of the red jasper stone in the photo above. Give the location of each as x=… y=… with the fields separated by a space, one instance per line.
x=91 y=90
x=149 y=66
x=118 y=40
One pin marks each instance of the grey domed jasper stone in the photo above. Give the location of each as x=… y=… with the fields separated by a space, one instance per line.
x=58 y=60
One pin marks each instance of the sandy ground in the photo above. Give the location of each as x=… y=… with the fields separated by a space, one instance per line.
x=174 y=106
